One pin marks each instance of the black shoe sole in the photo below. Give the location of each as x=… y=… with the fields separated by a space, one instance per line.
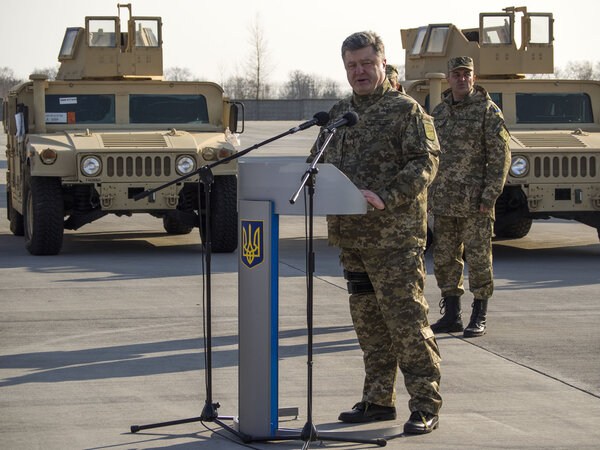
x=390 y=416
x=449 y=329
x=468 y=333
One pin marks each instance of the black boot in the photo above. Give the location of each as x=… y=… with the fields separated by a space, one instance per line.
x=476 y=325
x=451 y=320
x=368 y=412
x=421 y=422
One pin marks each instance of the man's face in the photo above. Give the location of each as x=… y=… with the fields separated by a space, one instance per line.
x=364 y=69
x=461 y=82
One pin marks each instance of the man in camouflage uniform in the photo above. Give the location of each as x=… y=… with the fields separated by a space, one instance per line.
x=391 y=154
x=391 y=72
x=473 y=167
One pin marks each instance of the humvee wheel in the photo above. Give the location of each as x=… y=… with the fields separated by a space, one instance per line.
x=44 y=216
x=15 y=218
x=224 y=218
x=173 y=226
x=516 y=230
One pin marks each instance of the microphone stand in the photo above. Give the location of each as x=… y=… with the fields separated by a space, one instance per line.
x=309 y=432
x=206 y=177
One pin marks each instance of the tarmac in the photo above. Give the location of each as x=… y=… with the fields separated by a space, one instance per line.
x=109 y=334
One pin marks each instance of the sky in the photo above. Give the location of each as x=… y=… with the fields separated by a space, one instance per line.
x=211 y=38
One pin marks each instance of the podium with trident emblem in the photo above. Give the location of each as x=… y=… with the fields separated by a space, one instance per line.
x=265 y=186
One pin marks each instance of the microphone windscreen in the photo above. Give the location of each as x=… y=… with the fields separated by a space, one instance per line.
x=322 y=118
x=351 y=117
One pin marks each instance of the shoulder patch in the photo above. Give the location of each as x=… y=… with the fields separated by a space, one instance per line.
x=504 y=134
x=429 y=130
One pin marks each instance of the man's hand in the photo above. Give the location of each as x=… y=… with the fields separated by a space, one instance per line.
x=373 y=199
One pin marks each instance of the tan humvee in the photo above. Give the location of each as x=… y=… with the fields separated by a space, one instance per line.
x=554 y=124
x=110 y=127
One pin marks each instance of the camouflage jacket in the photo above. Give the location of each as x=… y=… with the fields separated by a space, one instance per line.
x=392 y=151
x=475 y=155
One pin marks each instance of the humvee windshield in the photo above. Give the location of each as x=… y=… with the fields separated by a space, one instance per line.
x=554 y=108
x=80 y=108
x=496 y=98
x=148 y=108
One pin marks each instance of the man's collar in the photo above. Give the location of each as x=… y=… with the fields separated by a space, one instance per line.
x=378 y=92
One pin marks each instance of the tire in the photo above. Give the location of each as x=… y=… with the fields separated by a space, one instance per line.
x=516 y=229
x=173 y=226
x=44 y=216
x=224 y=217
x=15 y=218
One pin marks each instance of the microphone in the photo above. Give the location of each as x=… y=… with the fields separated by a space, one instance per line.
x=349 y=119
x=320 y=118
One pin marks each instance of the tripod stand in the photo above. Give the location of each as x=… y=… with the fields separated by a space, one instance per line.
x=309 y=432
x=209 y=412
x=206 y=178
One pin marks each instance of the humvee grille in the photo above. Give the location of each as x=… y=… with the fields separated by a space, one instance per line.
x=132 y=166
x=582 y=166
x=148 y=140
x=548 y=140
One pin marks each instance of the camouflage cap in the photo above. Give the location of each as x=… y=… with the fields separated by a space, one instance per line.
x=460 y=62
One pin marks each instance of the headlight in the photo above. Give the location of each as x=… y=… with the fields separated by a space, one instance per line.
x=209 y=154
x=519 y=166
x=185 y=165
x=48 y=156
x=91 y=166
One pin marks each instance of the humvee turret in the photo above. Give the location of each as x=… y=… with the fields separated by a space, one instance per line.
x=110 y=127
x=554 y=124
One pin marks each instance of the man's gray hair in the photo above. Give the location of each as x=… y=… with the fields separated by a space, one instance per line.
x=364 y=39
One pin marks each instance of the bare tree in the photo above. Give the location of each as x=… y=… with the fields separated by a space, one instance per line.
x=237 y=87
x=258 y=64
x=579 y=70
x=50 y=71
x=8 y=79
x=300 y=85
x=330 y=89
x=178 y=74
x=573 y=70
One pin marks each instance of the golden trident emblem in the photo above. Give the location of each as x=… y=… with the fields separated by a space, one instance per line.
x=250 y=244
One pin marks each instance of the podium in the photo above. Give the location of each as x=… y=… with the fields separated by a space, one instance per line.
x=265 y=187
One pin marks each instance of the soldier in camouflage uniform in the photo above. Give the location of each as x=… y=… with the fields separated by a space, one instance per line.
x=391 y=72
x=473 y=167
x=391 y=154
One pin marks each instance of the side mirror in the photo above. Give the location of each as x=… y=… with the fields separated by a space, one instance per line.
x=233 y=117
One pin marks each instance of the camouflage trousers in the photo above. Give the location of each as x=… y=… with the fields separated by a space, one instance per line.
x=453 y=236
x=392 y=327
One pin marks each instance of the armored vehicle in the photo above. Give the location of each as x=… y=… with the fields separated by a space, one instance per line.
x=110 y=127
x=554 y=124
